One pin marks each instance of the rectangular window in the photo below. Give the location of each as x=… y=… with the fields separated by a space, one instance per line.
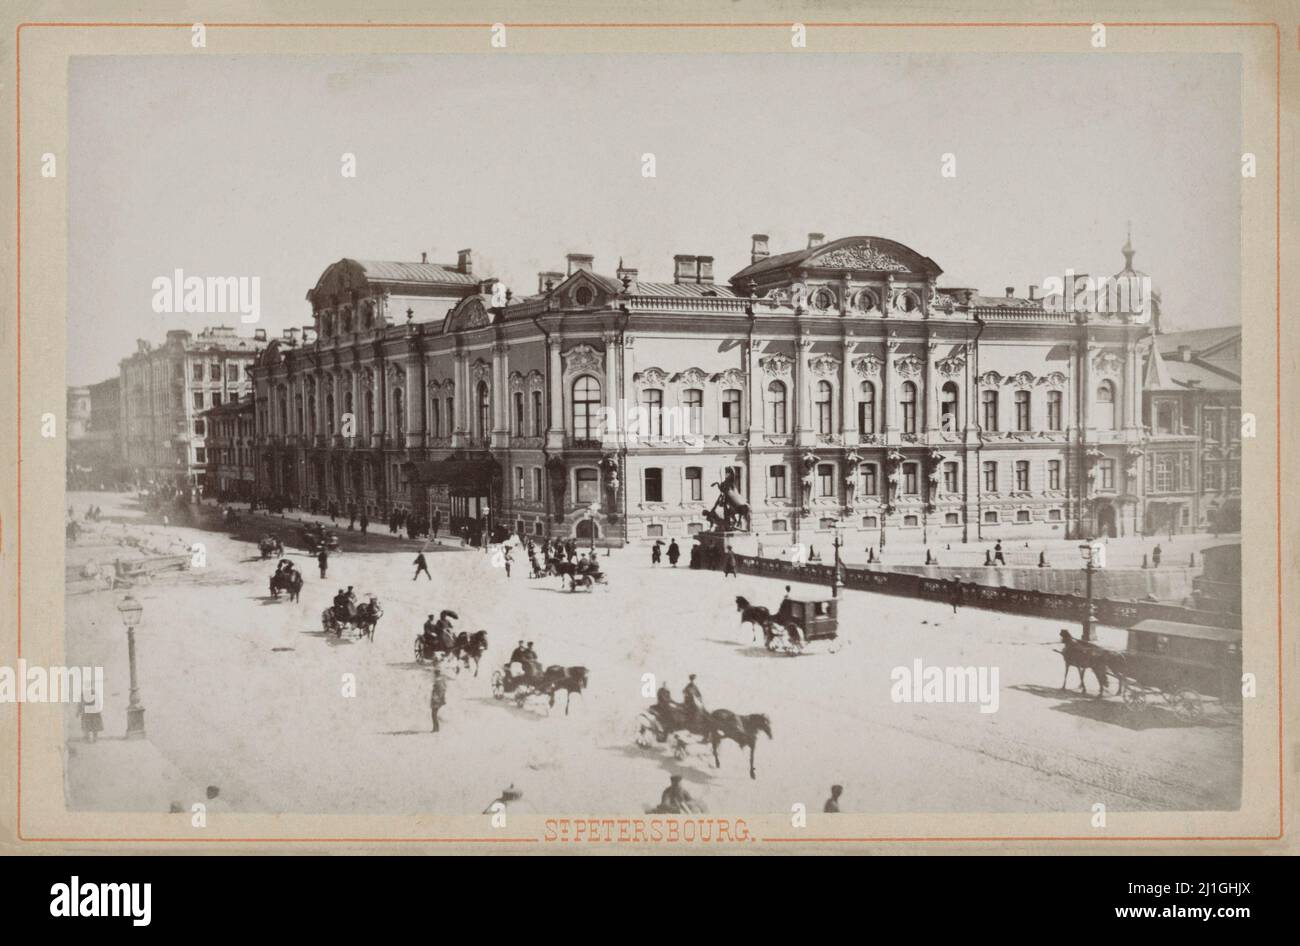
x=694 y=483
x=520 y=483
x=1106 y=474
x=537 y=484
x=951 y=519
x=693 y=401
x=232 y=371
x=911 y=479
x=731 y=411
x=1053 y=474
x=198 y=371
x=654 y=485
x=911 y=521
x=1022 y=476
x=990 y=517
x=780 y=525
x=950 y=477
x=216 y=398
x=825 y=479
x=1022 y=410
x=776 y=486
x=870 y=522
x=588 y=480
x=1165 y=411
x=652 y=406
x=1214 y=426
x=538 y=420
x=1054 y=410
x=870 y=486
x=519 y=414
x=654 y=531
x=1022 y=515
x=990 y=476
x=826 y=523
x=989 y=404
x=200 y=455
x=1053 y=515
x=198 y=400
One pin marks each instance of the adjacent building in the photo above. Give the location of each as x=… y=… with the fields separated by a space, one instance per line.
x=164 y=392
x=230 y=450
x=842 y=385
x=95 y=456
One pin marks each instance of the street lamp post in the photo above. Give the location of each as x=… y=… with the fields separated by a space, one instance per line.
x=591 y=515
x=837 y=576
x=131 y=609
x=1086 y=551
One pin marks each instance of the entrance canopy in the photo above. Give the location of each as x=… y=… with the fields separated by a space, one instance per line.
x=466 y=473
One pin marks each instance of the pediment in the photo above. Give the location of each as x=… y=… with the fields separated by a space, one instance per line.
x=582 y=290
x=872 y=255
x=469 y=313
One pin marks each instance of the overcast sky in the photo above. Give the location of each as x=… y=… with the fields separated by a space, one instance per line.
x=231 y=167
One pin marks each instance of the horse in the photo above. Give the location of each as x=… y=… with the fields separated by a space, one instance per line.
x=754 y=615
x=286 y=581
x=569 y=679
x=1085 y=656
x=470 y=648
x=742 y=730
x=562 y=569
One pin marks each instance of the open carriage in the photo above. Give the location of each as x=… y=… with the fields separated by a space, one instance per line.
x=1184 y=664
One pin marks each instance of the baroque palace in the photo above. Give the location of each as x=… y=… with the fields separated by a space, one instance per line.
x=839 y=383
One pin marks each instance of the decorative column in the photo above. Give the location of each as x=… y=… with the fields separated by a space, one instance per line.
x=609 y=390
x=754 y=385
x=500 y=436
x=555 y=420
x=888 y=413
x=848 y=415
x=928 y=380
x=802 y=405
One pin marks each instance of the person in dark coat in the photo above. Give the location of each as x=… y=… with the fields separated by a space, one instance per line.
x=729 y=564
x=832 y=806
x=437 y=522
x=365 y=523
x=674 y=553
x=1155 y=557
x=323 y=560
x=421 y=566
x=998 y=557
x=955 y=594
x=655 y=555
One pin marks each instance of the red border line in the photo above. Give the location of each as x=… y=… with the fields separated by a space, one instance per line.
x=1277 y=172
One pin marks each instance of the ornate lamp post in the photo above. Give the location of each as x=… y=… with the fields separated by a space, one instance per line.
x=837 y=576
x=1086 y=551
x=131 y=609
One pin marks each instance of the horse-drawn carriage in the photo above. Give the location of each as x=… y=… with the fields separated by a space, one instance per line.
x=287 y=578
x=361 y=618
x=662 y=723
x=269 y=546
x=797 y=623
x=452 y=653
x=520 y=681
x=316 y=539
x=1185 y=664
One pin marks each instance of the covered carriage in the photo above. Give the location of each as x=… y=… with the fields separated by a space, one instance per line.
x=1184 y=664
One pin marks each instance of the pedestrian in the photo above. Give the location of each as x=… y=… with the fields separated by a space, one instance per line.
x=655 y=554
x=323 y=559
x=365 y=523
x=421 y=566
x=729 y=564
x=1155 y=557
x=674 y=553
x=92 y=722
x=437 y=696
x=437 y=523
x=507 y=560
x=955 y=594
x=832 y=806
x=998 y=557
x=676 y=800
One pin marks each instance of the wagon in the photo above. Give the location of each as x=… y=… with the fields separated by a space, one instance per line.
x=804 y=621
x=1184 y=664
x=315 y=539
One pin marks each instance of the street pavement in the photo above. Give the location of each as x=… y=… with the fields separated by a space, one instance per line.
x=246 y=694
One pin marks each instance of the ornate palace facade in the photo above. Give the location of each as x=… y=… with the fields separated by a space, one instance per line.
x=841 y=383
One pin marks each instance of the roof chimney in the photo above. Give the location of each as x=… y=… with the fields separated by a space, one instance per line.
x=547 y=281
x=1011 y=292
x=465 y=262
x=579 y=261
x=259 y=334
x=685 y=269
x=424 y=257
x=704 y=270
x=815 y=239
x=758 y=249
x=1033 y=293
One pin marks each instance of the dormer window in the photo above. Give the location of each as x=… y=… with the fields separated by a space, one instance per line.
x=583 y=295
x=823 y=299
x=867 y=301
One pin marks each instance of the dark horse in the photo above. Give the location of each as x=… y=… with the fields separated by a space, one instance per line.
x=756 y=616
x=569 y=679
x=742 y=730
x=291 y=583
x=470 y=648
x=1085 y=656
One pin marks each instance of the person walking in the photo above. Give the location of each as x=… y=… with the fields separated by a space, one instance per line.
x=955 y=594
x=365 y=523
x=506 y=562
x=323 y=559
x=421 y=566
x=674 y=553
x=729 y=564
x=832 y=806
x=92 y=722
x=1155 y=557
x=655 y=555
x=437 y=523
x=437 y=696
x=998 y=557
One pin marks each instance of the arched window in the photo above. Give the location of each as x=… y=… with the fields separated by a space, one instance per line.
x=823 y=405
x=435 y=418
x=451 y=415
x=484 y=408
x=989 y=404
x=329 y=412
x=867 y=408
x=311 y=405
x=1105 y=419
x=399 y=412
x=948 y=407
x=693 y=402
x=586 y=404
x=776 y=422
x=907 y=401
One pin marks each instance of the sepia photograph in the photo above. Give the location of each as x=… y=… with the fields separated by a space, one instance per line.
x=645 y=431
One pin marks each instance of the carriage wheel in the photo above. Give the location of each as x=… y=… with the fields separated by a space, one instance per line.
x=498 y=685
x=1134 y=699
x=521 y=697
x=419 y=651
x=1188 y=706
x=646 y=727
